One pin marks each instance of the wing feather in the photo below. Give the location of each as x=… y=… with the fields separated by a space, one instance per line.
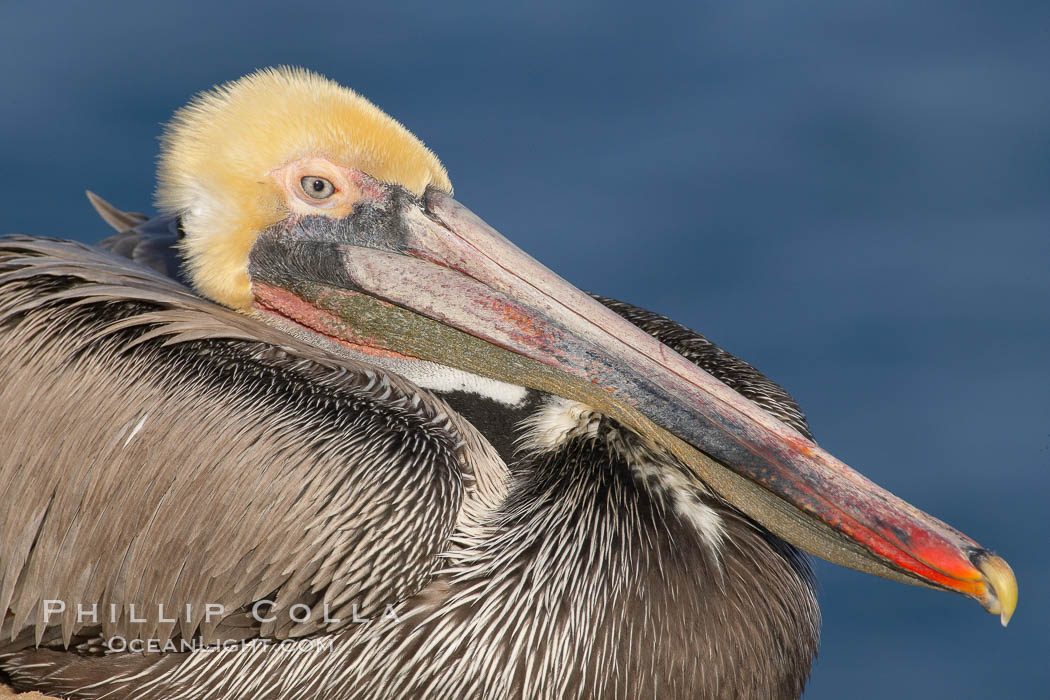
x=160 y=449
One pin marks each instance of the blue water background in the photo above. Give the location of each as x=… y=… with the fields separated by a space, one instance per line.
x=853 y=196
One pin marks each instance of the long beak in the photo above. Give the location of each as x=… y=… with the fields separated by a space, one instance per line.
x=429 y=279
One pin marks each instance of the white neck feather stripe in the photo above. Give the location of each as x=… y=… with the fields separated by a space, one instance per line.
x=442 y=379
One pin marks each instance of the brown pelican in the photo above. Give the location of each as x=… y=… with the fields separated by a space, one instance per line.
x=319 y=431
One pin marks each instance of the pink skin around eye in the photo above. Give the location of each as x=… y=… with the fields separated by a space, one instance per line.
x=290 y=177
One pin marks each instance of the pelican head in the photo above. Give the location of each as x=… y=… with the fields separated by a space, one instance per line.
x=234 y=162
x=306 y=206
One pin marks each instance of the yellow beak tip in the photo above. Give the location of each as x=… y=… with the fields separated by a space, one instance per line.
x=1001 y=596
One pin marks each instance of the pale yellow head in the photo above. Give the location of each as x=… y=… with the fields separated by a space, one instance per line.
x=237 y=159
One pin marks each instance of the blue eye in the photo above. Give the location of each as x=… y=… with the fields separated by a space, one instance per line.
x=317 y=187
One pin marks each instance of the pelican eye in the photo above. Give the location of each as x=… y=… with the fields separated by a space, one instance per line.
x=317 y=187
